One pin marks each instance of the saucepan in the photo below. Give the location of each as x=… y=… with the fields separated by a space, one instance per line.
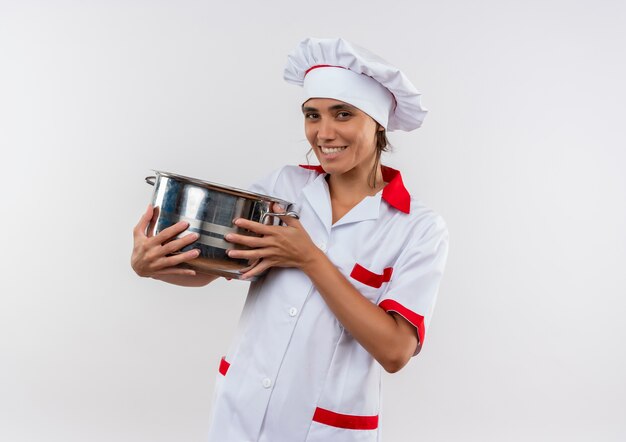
x=210 y=210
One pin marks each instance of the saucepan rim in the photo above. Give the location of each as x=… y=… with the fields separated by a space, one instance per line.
x=221 y=187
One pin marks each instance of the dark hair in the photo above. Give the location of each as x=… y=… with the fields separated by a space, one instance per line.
x=382 y=145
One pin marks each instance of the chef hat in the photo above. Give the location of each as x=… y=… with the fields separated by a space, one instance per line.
x=335 y=68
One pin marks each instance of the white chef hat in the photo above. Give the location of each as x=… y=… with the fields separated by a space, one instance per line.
x=335 y=68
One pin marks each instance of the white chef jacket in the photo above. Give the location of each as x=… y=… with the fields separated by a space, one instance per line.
x=293 y=373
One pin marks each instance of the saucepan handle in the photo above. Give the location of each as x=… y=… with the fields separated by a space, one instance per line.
x=290 y=213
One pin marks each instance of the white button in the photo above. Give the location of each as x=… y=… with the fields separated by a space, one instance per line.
x=267 y=383
x=322 y=246
x=293 y=311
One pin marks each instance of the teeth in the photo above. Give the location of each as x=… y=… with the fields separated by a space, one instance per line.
x=332 y=149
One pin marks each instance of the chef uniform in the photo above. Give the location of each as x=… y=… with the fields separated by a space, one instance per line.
x=293 y=373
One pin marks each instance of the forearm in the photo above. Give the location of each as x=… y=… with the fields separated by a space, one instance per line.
x=389 y=338
x=198 y=280
x=380 y=333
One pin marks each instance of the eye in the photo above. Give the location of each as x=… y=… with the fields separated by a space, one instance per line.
x=343 y=115
x=311 y=116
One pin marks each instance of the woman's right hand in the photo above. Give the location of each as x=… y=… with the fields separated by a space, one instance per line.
x=152 y=255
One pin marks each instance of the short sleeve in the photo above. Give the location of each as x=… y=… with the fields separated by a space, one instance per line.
x=412 y=290
x=267 y=184
x=285 y=183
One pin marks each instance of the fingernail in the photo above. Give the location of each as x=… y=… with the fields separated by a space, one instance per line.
x=228 y=236
x=195 y=235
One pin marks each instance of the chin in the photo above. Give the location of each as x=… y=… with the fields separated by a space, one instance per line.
x=330 y=167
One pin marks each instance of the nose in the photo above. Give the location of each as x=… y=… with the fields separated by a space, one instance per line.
x=326 y=129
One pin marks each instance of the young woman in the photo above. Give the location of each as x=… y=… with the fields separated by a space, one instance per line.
x=351 y=284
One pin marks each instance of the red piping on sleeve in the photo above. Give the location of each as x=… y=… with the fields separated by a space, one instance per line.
x=347 y=421
x=389 y=305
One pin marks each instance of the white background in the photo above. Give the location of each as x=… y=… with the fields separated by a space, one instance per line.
x=522 y=153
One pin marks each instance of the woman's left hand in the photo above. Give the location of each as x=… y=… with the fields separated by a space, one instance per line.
x=280 y=246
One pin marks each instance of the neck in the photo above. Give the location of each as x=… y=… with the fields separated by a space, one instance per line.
x=351 y=187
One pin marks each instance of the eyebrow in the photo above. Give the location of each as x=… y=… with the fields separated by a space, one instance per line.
x=331 y=108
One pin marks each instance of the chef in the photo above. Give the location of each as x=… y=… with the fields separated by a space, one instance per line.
x=351 y=285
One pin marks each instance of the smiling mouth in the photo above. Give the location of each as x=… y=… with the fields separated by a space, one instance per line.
x=330 y=150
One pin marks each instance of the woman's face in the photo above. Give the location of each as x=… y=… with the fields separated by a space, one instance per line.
x=342 y=136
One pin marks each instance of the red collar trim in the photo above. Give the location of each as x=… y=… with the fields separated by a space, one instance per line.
x=394 y=192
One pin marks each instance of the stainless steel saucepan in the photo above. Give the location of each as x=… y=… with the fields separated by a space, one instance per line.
x=210 y=210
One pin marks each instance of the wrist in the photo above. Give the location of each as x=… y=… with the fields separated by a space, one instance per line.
x=313 y=260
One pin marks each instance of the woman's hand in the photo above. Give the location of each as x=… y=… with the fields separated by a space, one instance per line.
x=150 y=255
x=280 y=246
